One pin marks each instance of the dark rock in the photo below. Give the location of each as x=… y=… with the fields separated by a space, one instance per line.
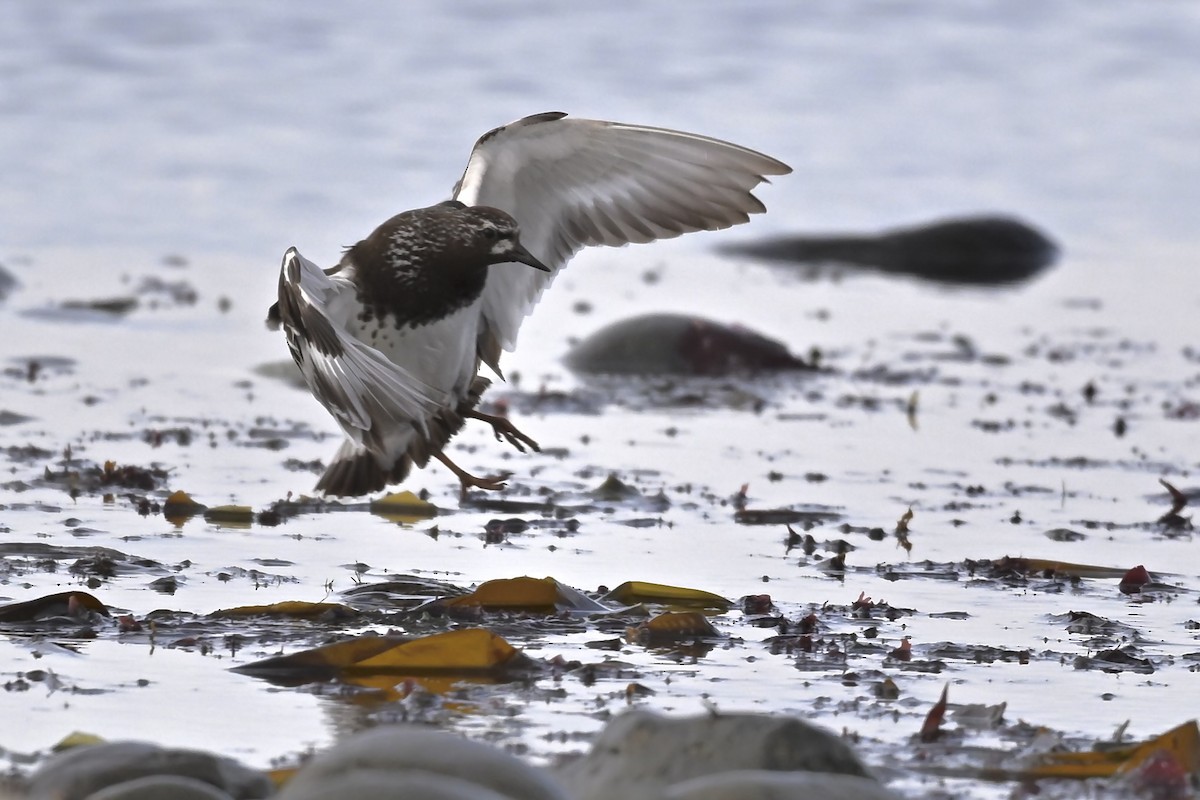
x=117 y=306
x=675 y=344
x=12 y=417
x=640 y=753
x=7 y=282
x=82 y=771
x=985 y=250
x=403 y=762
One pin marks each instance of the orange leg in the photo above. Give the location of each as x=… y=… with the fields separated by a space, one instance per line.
x=468 y=480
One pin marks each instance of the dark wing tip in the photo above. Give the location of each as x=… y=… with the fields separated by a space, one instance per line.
x=532 y=119
x=545 y=116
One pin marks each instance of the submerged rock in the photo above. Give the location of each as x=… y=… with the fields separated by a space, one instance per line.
x=676 y=344
x=970 y=250
x=639 y=754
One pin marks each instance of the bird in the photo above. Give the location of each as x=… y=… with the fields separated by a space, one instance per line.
x=391 y=339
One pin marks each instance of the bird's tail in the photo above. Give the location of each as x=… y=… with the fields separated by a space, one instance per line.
x=355 y=469
x=355 y=472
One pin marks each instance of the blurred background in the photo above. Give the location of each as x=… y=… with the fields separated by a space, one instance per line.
x=223 y=126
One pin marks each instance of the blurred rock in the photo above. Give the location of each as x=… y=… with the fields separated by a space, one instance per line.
x=675 y=344
x=12 y=417
x=82 y=771
x=985 y=250
x=409 y=762
x=639 y=754
x=285 y=371
x=160 y=787
x=7 y=282
x=767 y=785
x=116 y=306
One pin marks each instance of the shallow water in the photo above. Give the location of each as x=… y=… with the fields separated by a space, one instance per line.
x=186 y=148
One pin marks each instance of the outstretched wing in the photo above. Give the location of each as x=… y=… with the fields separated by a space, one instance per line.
x=570 y=183
x=357 y=383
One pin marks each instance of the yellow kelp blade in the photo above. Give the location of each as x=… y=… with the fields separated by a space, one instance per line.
x=281 y=775
x=670 y=627
x=230 y=516
x=179 y=507
x=525 y=594
x=1028 y=566
x=76 y=739
x=298 y=609
x=632 y=592
x=1181 y=742
x=544 y=595
x=319 y=663
x=466 y=651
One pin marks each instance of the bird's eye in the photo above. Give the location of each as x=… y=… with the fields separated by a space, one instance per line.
x=490 y=234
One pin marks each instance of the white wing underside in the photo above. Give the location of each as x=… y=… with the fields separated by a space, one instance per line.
x=570 y=183
x=365 y=392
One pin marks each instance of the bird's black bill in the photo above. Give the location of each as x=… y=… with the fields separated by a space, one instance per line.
x=522 y=255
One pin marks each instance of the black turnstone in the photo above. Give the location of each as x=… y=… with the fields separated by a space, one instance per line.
x=390 y=339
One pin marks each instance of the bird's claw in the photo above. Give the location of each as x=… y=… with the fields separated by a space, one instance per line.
x=507 y=432
x=516 y=439
x=489 y=483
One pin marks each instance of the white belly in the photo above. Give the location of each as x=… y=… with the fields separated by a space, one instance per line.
x=441 y=353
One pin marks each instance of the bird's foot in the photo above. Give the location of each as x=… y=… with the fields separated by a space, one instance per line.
x=469 y=481
x=506 y=431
